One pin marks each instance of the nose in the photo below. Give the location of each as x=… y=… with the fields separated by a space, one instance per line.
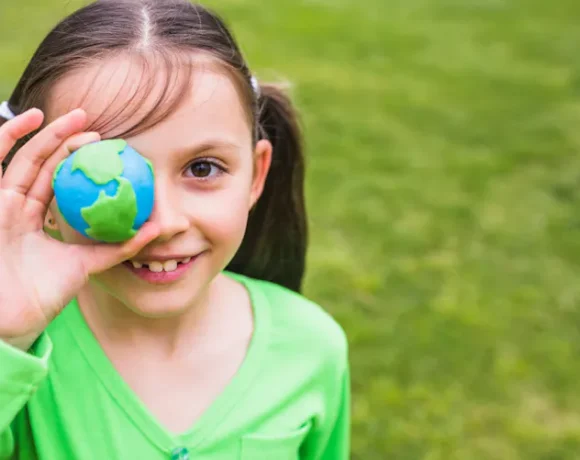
x=168 y=214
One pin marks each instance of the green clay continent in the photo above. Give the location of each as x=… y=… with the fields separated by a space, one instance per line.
x=111 y=218
x=101 y=161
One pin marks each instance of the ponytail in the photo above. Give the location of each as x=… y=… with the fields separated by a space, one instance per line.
x=274 y=247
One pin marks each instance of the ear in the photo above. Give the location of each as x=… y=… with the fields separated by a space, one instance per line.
x=262 y=162
x=51 y=226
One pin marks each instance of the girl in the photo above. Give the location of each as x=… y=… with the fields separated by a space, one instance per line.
x=191 y=340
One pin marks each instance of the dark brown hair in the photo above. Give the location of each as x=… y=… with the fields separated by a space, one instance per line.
x=274 y=247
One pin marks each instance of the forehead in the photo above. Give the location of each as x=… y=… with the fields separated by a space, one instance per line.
x=118 y=92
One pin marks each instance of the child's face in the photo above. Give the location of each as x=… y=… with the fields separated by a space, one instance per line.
x=208 y=176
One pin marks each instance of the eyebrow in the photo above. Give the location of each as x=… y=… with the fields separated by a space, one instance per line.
x=207 y=144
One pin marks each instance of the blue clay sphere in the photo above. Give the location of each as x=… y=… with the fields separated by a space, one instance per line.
x=105 y=190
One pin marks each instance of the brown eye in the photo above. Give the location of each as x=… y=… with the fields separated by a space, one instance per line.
x=204 y=169
x=201 y=169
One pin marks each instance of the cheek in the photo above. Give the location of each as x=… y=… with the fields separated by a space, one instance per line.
x=222 y=215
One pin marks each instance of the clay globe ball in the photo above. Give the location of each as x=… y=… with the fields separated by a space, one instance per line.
x=105 y=190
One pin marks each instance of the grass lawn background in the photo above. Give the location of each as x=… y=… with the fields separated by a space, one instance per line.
x=444 y=201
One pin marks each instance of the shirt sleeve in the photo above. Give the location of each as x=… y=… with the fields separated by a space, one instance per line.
x=332 y=440
x=20 y=375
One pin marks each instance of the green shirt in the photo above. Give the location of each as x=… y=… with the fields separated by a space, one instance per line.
x=290 y=399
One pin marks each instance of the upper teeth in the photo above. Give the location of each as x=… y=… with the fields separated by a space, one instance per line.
x=157 y=267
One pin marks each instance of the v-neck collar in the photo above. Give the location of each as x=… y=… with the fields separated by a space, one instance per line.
x=130 y=403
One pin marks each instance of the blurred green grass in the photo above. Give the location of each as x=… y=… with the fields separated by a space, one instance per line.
x=444 y=201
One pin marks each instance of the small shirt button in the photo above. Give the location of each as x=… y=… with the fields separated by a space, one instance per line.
x=180 y=453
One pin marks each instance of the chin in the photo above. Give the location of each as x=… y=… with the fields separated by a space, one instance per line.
x=160 y=305
x=160 y=300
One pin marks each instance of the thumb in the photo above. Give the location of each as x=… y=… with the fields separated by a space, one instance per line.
x=100 y=257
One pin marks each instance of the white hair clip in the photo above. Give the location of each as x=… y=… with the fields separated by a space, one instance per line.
x=5 y=111
x=255 y=86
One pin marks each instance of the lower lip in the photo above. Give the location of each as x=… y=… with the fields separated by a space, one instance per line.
x=160 y=277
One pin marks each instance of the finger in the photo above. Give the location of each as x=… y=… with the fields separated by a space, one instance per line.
x=17 y=128
x=41 y=192
x=11 y=205
x=27 y=162
x=100 y=257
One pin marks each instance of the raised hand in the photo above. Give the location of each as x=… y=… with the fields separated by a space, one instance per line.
x=38 y=274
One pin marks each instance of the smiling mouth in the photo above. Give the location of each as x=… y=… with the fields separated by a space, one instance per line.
x=158 y=266
x=157 y=272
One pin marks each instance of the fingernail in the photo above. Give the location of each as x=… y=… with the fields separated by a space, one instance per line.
x=93 y=137
x=79 y=110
